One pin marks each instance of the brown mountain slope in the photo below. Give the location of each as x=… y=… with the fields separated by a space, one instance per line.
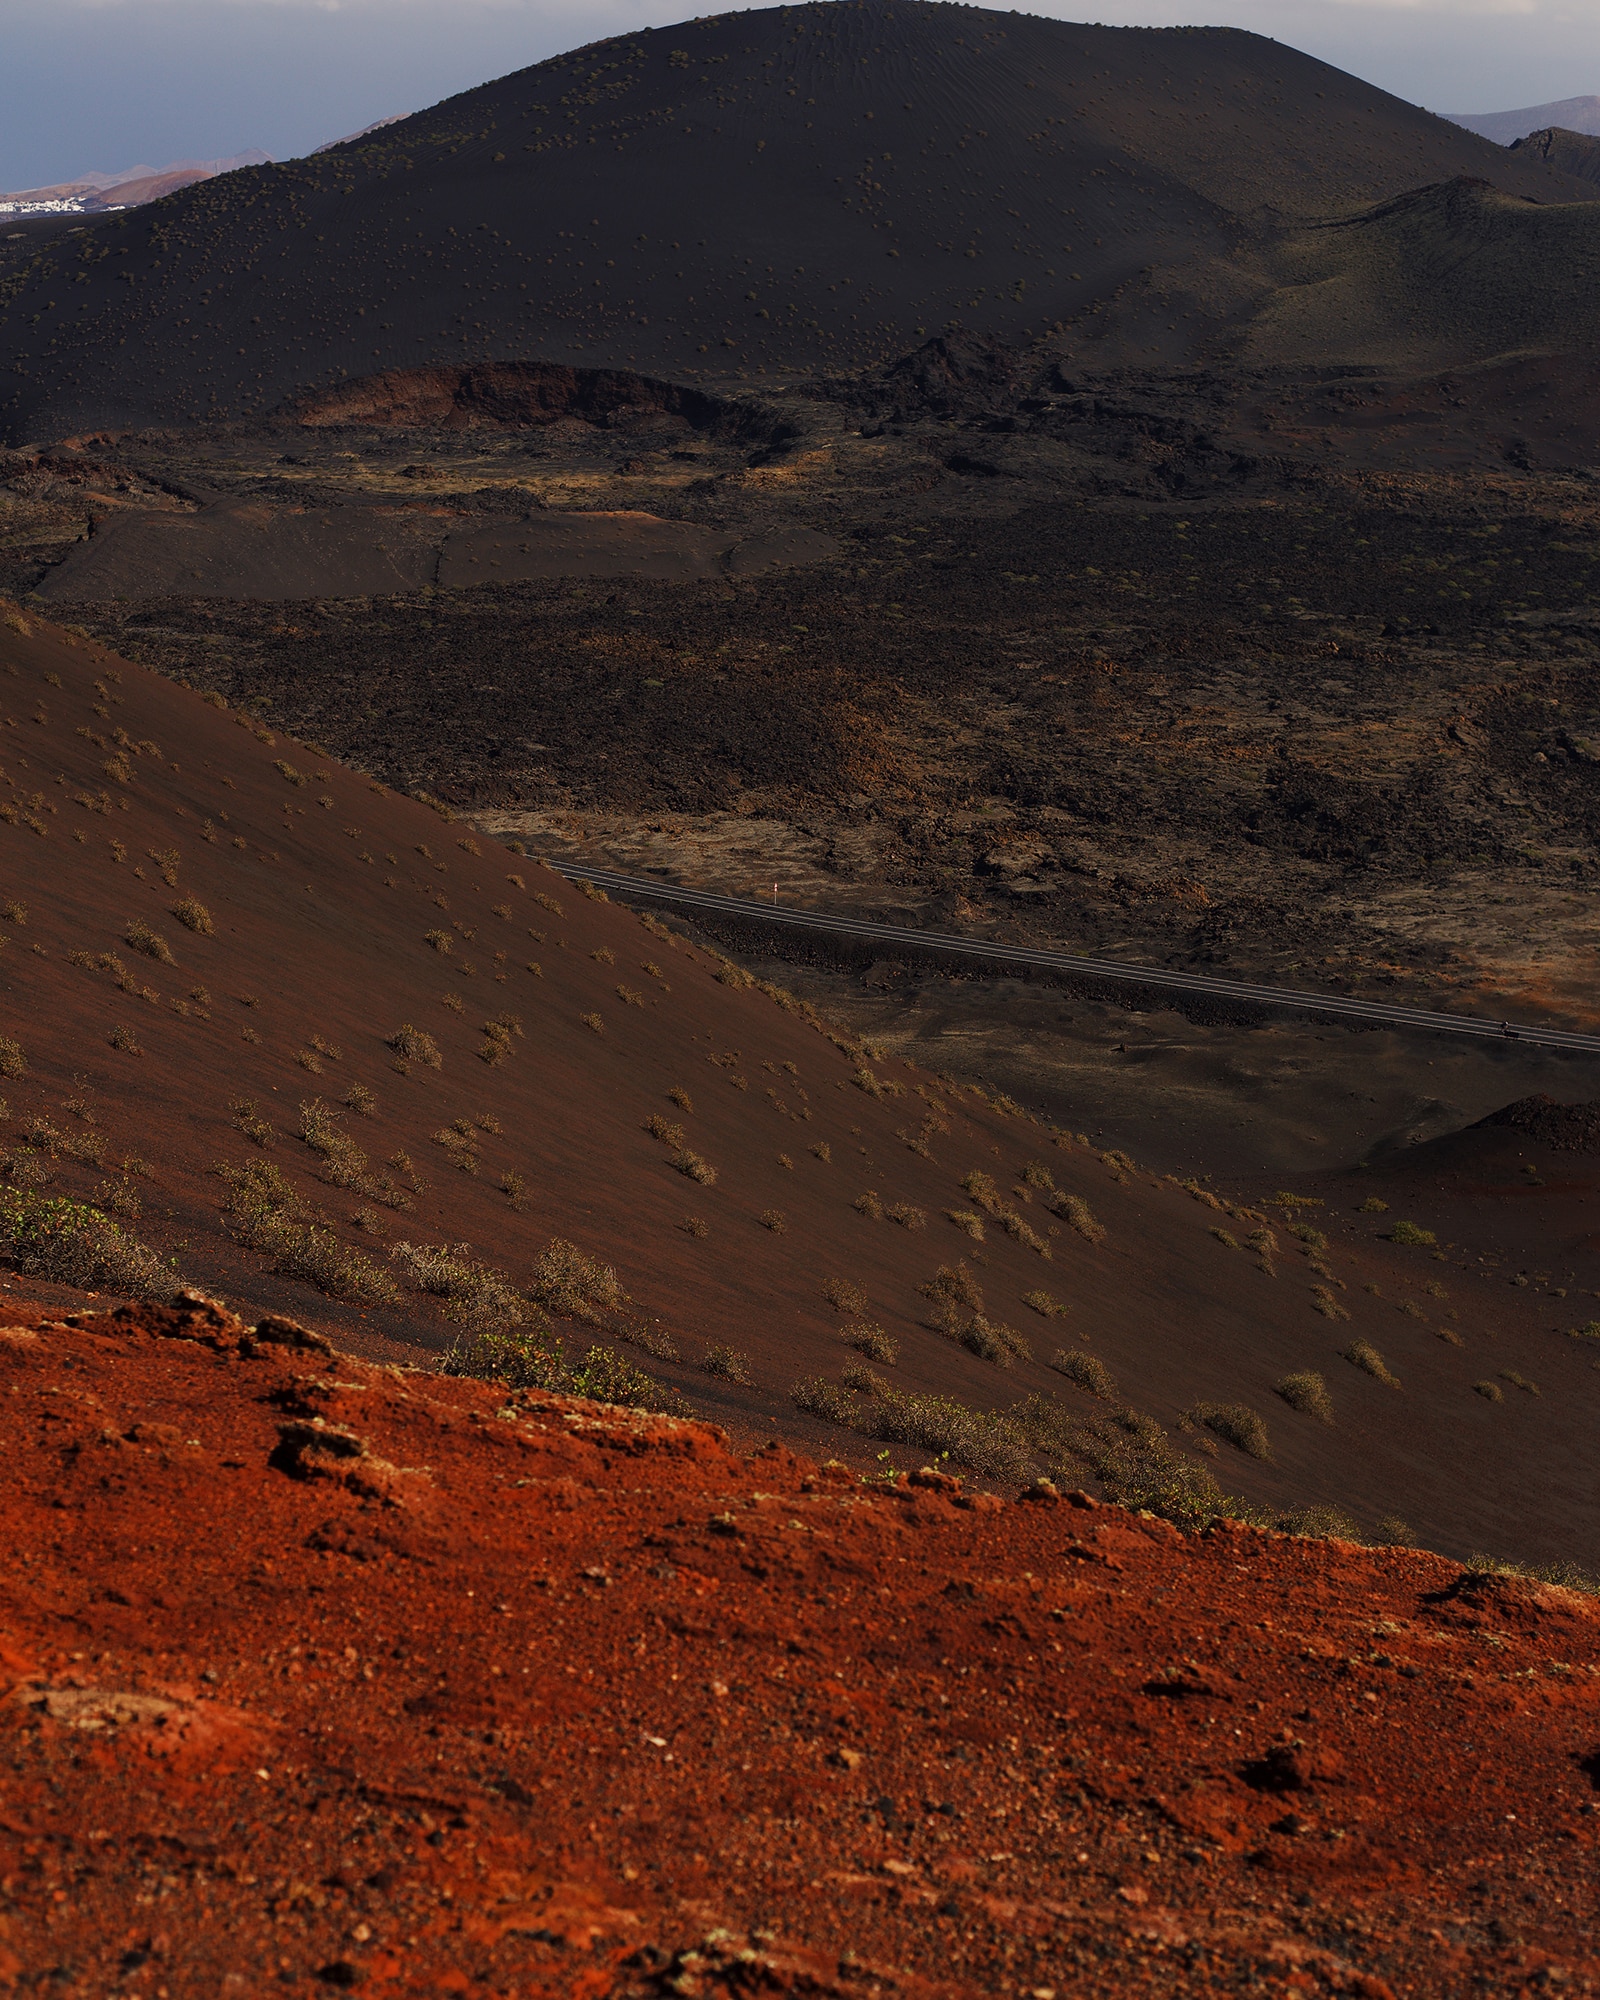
x=1575 y=153
x=802 y=187
x=1452 y=274
x=338 y=914
x=527 y=1697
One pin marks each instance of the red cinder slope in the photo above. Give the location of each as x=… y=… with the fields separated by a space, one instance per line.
x=319 y=1675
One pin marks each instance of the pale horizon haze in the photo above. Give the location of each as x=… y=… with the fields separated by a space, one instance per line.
x=107 y=84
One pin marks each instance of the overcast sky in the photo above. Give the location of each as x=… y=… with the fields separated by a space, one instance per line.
x=114 y=83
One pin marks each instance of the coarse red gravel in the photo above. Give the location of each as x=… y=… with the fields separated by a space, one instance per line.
x=322 y=1674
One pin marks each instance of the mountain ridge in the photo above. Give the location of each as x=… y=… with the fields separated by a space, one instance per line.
x=815 y=188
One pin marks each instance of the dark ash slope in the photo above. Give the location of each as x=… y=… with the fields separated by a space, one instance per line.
x=807 y=187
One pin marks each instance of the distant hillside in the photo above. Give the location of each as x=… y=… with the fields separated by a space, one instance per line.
x=1576 y=114
x=94 y=192
x=806 y=187
x=1575 y=153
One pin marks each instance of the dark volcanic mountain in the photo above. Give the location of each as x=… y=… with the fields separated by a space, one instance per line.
x=806 y=187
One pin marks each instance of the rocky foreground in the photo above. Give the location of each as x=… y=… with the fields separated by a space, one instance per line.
x=328 y=1675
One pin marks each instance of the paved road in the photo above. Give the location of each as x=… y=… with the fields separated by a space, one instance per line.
x=1377 y=1012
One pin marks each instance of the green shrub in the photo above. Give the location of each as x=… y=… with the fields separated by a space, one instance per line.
x=70 y=1243
x=1407 y=1233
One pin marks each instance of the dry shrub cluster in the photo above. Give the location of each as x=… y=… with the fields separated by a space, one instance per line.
x=344 y=1165
x=266 y=1215
x=570 y=1284
x=1237 y=1424
x=958 y=1314
x=871 y=1340
x=70 y=1243
x=1307 y=1392
x=475 y=1296
x=1088 y=1371
x=411 y=1044
x=140 y=937
x=1363 y=1355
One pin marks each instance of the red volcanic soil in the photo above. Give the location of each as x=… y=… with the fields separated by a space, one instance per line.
x=326 y=1675
x=124 y=799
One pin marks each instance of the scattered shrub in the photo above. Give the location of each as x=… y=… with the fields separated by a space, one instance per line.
x=663 y=1129
x=141 y=938
x=1363 y=1355
x=1320 y=1522
x=194 y=916
x=1393 y=1532
x=690 y=1163
x=728 y=1363
x=695 y=1225
x=124 y=1038
x=571 y=1284
x=1408 y=1233
x=594 y=1023
x=1519 y=1381
x=1226 y=1239
x=531 y=1358
x=868 y=1205
x=475 y=1295
x=823 y=1151
x=1078 y=1215
x=267 y=1216
x=907 y=1216
x=249 y=1121
x=1037 y=1176
x=1306 y=1392
x=968 y=1221
x=871 y=1341
x=773 y=1219
x=1236 y=1424
x=1088 y=1371
x=1313 y=1239
x=991 y=1340
x=843 y=1296
x=1041 y=1302
x=360 y=1100
x=70 y=1243
x=1020 y=1232
x=1372 y=1206
x=680 y=1097
x=818 y=1397
x=414 y=1046
x=344 y=1163
x=12 y=1061
x=1491 y=1391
